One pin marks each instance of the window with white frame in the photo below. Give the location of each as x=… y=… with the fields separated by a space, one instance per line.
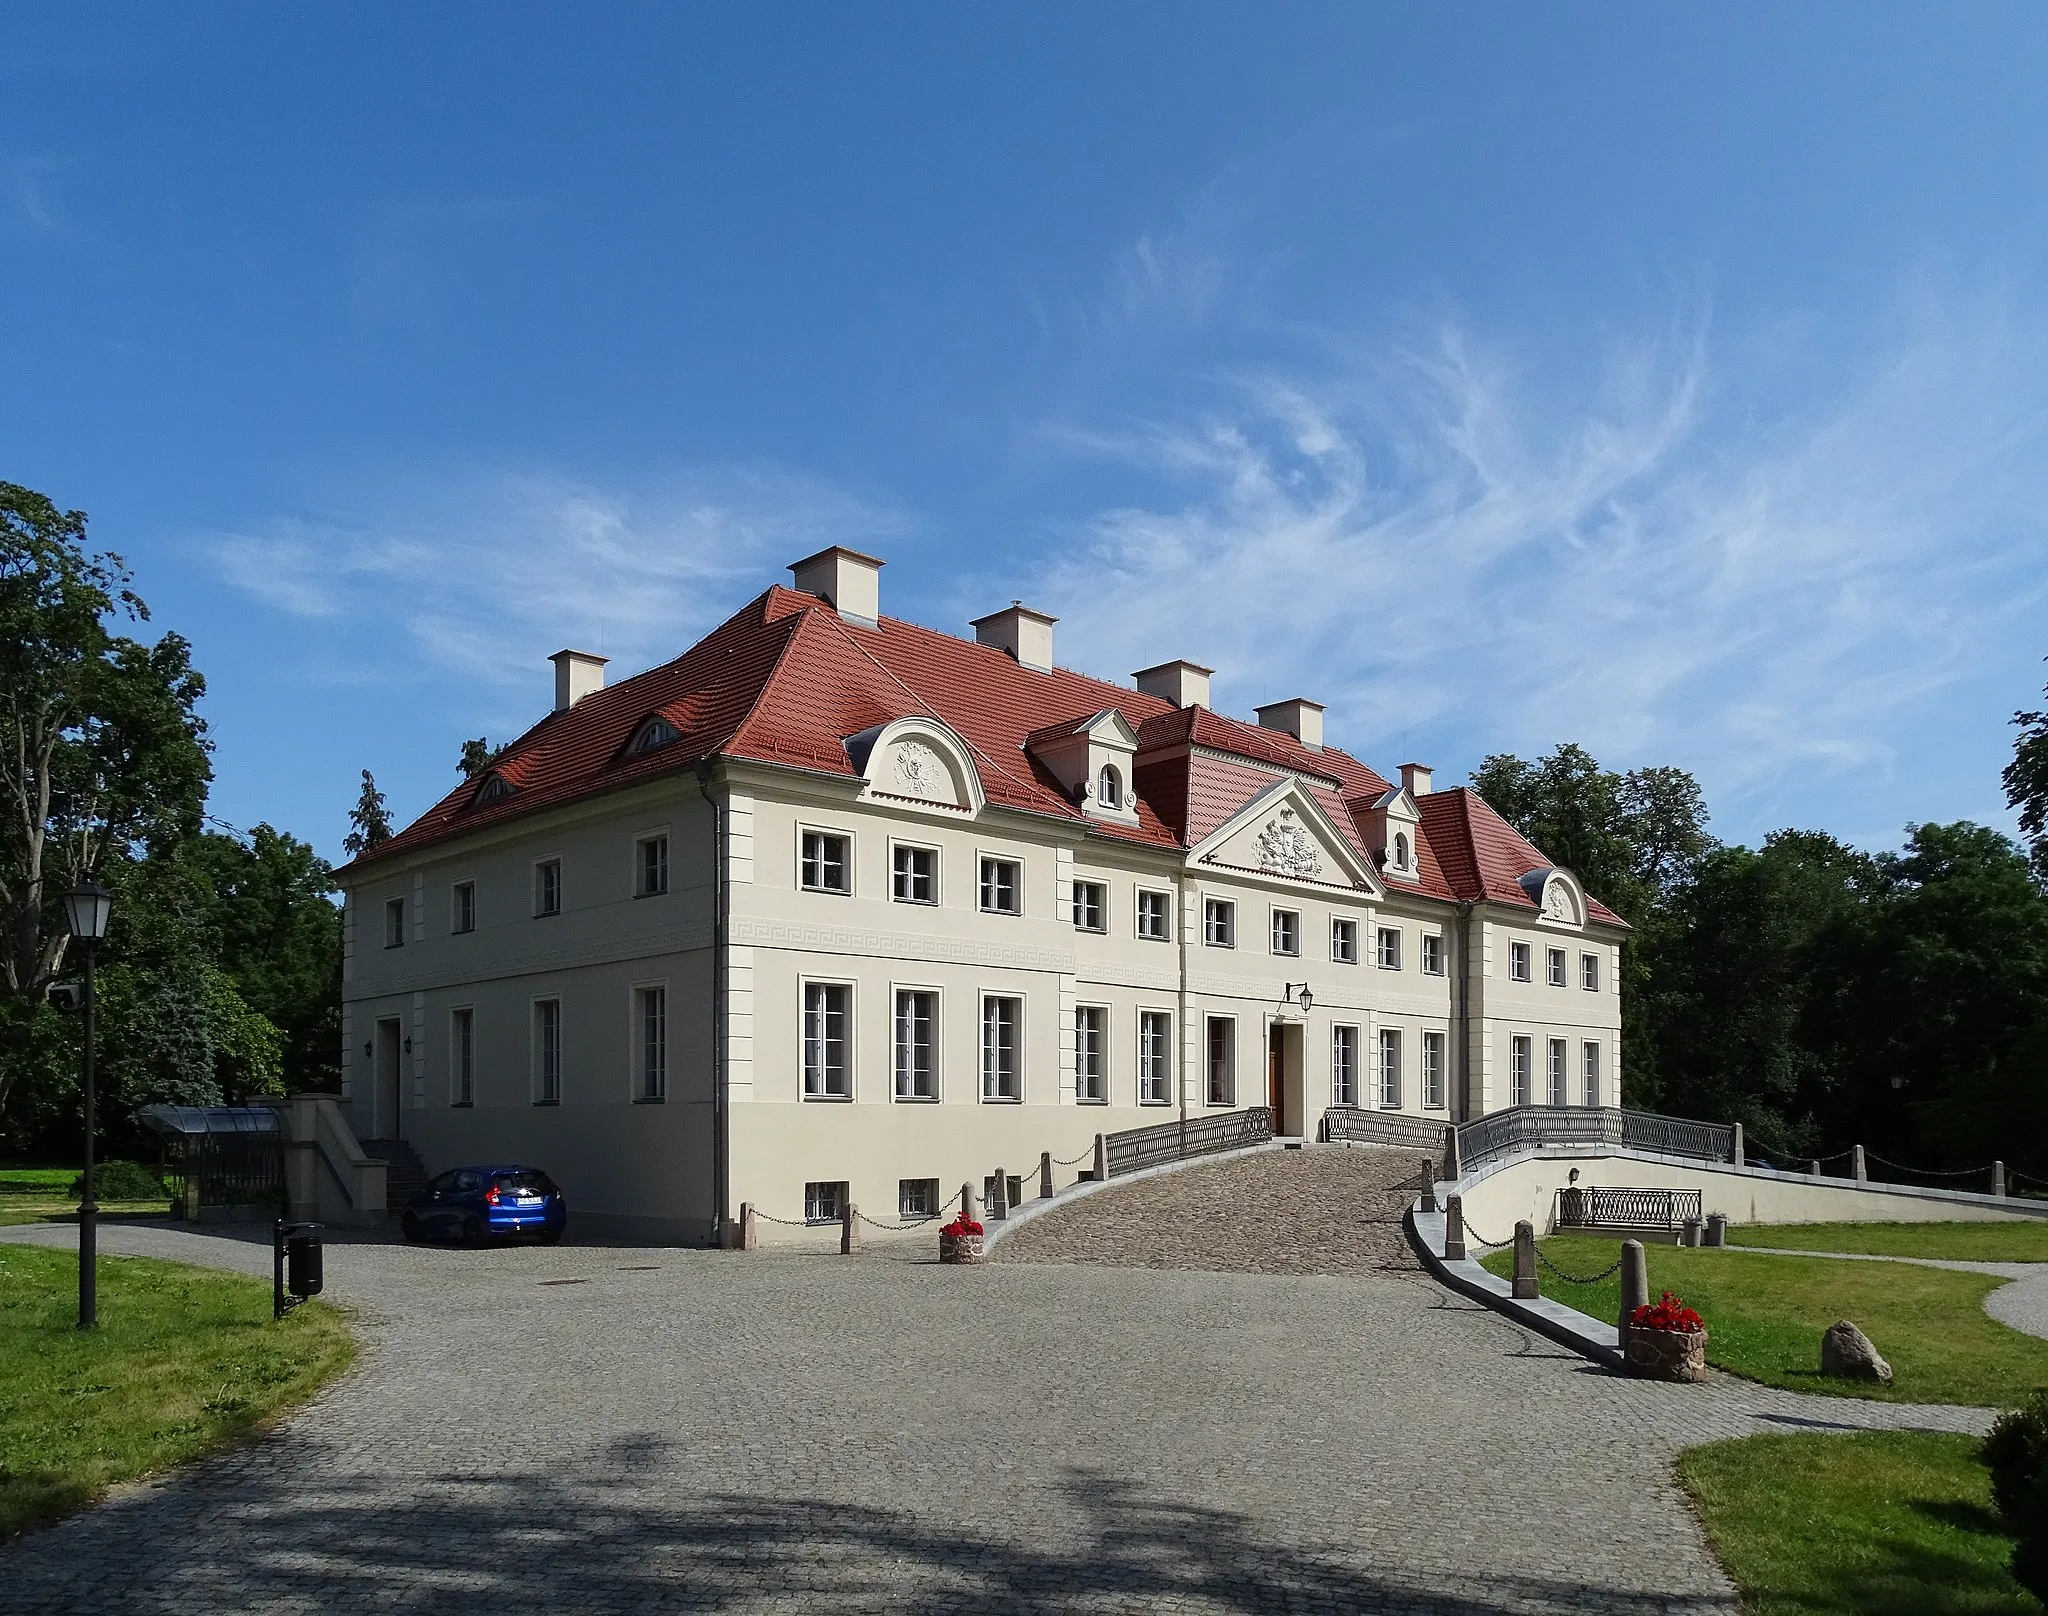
x=828 y=1017
x=917 y=1198
x=1002 y=887
x=1219 y=923
x=1155 y=916
x=917 y=1044
x=651 y=1026
x=1592 y=1072
x=1344 y=941
x=1518 y=962
x=394 y=923
x=825 y=1202
x=913 y=874
x=462 y=1056
x=1344 y=1066
x=1390 y=1069
x=1433 y=1071
x=1091 y=1054
x=825 y=862
x=1286 y=931
x=1155 y=1057
x=547 y=888
x=462 y=907
x=1520 y=1058
x=1402 y=859
x=1091 y=906
x=1222 y=1061
x=1557 y=1094
x=1553 y=967
x=547 y=1050
x=1432 y=953
x=1589 y=972
x=1389 y=952
x=1002 y=1049
x=1109 y=789
x=651 y=872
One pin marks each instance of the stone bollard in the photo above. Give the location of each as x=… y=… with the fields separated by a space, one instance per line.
x=1861 y=1168
x=1045 y=1175
x=1101 y=1160
x=1998 y=1178
x=849 y=1230
x=999 y=1198
x=1635 y=1286
x=750 y=1233
x=1738 y=1154
x=1428 y=1186
x=1689 y=1232
x=1454 y=1228
x=1453 y=1167
x=1525 y=1287
x=967 y=1203
x=1813 y=1167
x=1717 y=1228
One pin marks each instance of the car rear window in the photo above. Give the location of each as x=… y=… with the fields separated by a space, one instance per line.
x=524 y=1183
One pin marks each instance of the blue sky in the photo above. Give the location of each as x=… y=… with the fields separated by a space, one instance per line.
x=1673 y=380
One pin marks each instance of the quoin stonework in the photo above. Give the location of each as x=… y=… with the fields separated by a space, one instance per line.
x=834 y=906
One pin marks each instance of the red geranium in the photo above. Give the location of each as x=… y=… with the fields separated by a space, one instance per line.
x=1667 y=1313
x=961 y=1225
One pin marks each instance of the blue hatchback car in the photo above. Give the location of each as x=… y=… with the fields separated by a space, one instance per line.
x=475 y=1204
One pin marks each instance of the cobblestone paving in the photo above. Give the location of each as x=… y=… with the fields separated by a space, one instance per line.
x=620 y=1429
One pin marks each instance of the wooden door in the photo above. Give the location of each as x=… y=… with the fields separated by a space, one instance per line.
x=1276 y=1076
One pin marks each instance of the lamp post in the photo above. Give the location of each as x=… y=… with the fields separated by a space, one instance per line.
x=87 y=906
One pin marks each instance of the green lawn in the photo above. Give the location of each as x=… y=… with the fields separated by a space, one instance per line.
x=43 y=1195
x=2019 y=1241
x=184 y=1360
x=1883 y=1523
x=1765 y=1317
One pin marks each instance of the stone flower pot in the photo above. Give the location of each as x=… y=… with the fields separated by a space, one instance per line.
x=960 y=1248
x=1679 y=1355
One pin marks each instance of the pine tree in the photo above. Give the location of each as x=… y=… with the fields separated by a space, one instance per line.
x=369 y=820
x=477 y=756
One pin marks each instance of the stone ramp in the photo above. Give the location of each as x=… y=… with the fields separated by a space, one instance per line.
x=1323 y=1209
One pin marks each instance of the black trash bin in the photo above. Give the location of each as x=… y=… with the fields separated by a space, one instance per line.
x=296 y=1265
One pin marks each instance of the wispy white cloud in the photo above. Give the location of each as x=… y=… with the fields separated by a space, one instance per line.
x=25 y=202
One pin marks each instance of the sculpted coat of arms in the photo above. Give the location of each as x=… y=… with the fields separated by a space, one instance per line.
x=1286 y=849
x=919 y=773
x=1557 y=903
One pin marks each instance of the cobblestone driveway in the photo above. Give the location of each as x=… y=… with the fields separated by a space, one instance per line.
x=611 y=1429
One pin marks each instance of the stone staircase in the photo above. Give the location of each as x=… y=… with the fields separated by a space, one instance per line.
x=404 y=1172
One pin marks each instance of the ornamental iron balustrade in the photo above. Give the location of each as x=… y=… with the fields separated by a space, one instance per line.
x=1350 y=1124
x=1137 y=1148
x=1588 y=1207
x=1537 y=1127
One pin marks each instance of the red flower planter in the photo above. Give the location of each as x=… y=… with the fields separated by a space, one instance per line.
x=960 y=1242
x=1667 y=1341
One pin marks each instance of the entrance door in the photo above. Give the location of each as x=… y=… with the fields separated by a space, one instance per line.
x=1276 y=1076
x=386 y=1102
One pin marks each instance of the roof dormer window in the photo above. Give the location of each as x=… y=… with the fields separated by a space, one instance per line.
x=1403 y=858
x=657 y=731
x=494 y=788
x=1109 y=789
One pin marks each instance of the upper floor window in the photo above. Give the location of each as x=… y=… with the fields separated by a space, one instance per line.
x=1519 y=1053
x=828 y=1015
x=1390 y=948
x=1557 y=1094
x=1219 y=923
x=1344 y=1066
x=655 y=732
x=1589 y=972
x=827 y=862
x=1286 y=931
x=1592 y=1072
x=1344 y=941
x=462 y=1056
x=1155 y=916
x=1433 y=1071
x=547 y=887
x=652 y=1016
x=917 y=1022
x=1091 y=1053
x=1155 y=1057
x=1109 y=789
x=494 y=787
x=1002 y=1049
x=547 y=1051
x=1002 y=886
x=651 y=876
x=1402 y=859
x=1518 y=962
x=462 y=907
x=1091 y=906
x=1222 y=1061
x=1390 y=1069
x=1432 y=953
x=394 y=923
x=914 y=874
x=1553 y=967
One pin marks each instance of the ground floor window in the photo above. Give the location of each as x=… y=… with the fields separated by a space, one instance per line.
x=1091 y=1053
x=1592 y=1073
x=1343 y=1066
x=462 y=1056
x=828 y=1013
x=1433 y=1071
x=547 y=1049
x=917 y=1067
x=1519 y=1061
x=825 y=1203
x=1155 y=1057
x=1390 y=1069
x=1222 y=1061
x=1557 y=1093
x=1002 y=1056
x=653 y=1029
x=917 y=1198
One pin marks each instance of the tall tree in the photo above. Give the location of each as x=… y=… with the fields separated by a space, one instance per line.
x=477 y=756
x=2026 y=783
x=369 y=820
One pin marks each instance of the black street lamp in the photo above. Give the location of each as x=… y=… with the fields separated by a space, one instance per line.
x=87 y=907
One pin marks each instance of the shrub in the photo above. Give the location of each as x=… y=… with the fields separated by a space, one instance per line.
x=123 y=1181
x=2016 y=1452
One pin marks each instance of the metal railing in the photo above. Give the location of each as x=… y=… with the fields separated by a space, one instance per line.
x=1350 y=1124
x=1137 y=1148
x=1535 y=1127
x=1588 y=1207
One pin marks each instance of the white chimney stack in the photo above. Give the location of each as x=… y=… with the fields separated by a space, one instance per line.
x=1415 y=778
x=577 y=674
x=846 y=579
x=1185 y=684
x=1017 y=629
x=1297 y=716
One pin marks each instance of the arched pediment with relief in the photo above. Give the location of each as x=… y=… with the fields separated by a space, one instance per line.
x=1283 y=832
x=918 y=760
x=1557 y=895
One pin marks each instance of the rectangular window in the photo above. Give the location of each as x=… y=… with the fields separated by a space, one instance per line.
x=1002 y=887
x=914 y=874
x=1518 y=962
x=1155 y=1057
x=917 y=1198
x=827 y=862
x=1091 y=1054
x=1589 y=972
x=1432 y=953
x=917 y=1048
x=462 y=1056
x=1389 y=954
x=1344 y=941
x=1390 y=1069
x=1286 y=931
x=1553 y=967
x=547 y=888
x=1002 y=1051
x=825 y=1203
x=828 y=1011
x=462 y=907
x=394 y=923
x=652 y=1017
x=1519 y=1060
x=1433 y=1071
x=1557 y=1095
x=1344 y=1066
x=1592 y=1073
x=1219 y=923
x=547 y=1049
x=651 y=876
x=1222 y=1061
x=1091 y=906
x=1155 y=916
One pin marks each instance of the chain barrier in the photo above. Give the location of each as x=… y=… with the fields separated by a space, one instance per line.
x=1926 y=1172
x=795 y=1223
x=1480 y=1240
x=1086 y=1155
x=911 y=1223
x=1574 y=1279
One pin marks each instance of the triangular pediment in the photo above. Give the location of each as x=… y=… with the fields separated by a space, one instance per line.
x=1284 y=833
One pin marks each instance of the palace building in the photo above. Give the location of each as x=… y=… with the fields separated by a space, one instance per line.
x=833 y=906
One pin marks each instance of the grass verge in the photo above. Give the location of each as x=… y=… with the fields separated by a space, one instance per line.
x=43 y=1195
x=1883 y=1523
x=1765 y=1317
x=184 y=1360
x=1959 y=1242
